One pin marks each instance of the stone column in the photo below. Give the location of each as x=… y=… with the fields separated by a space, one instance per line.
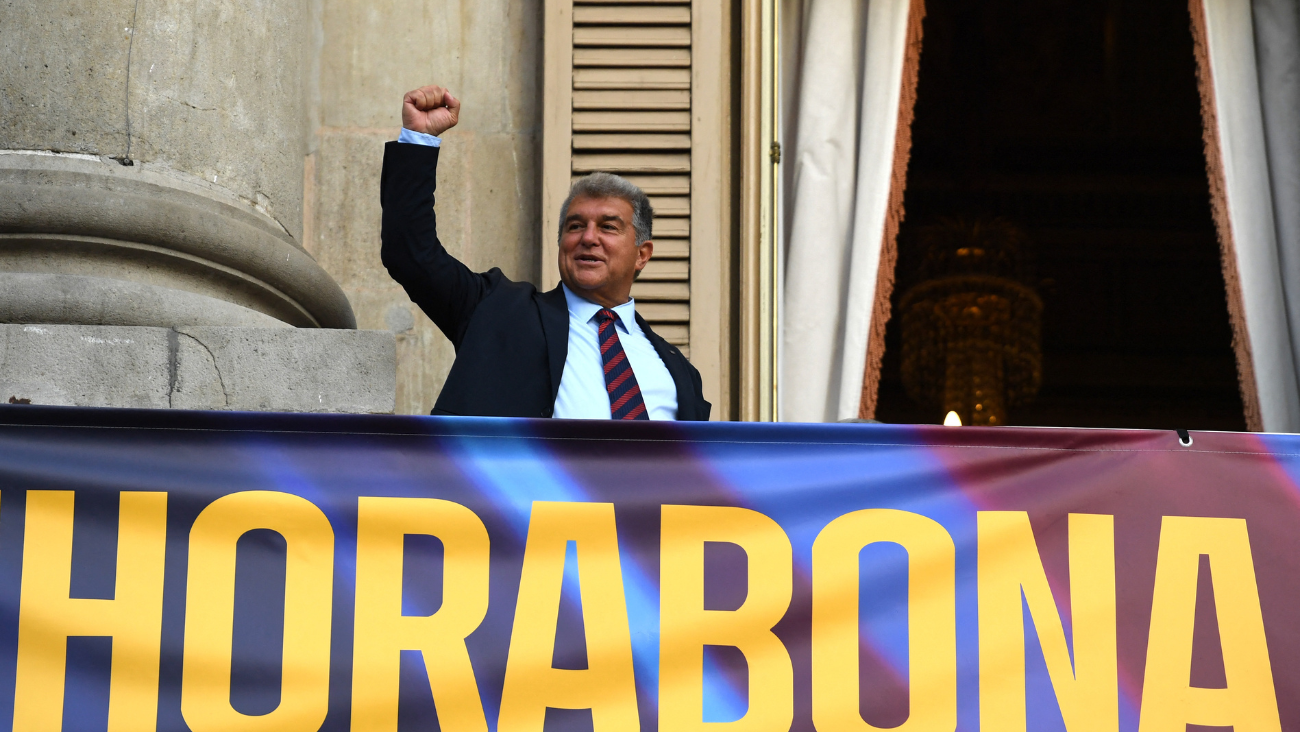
x=151 y=197
x=151 y=165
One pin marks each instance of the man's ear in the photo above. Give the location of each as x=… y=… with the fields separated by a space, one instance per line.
x=643 y=254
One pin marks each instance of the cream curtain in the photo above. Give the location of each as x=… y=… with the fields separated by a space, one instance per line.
x=847 y=78
x=1249 y=61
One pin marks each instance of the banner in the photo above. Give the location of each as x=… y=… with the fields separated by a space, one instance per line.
x=209 y=571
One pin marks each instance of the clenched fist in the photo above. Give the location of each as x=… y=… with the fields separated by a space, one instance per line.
x=430 y=109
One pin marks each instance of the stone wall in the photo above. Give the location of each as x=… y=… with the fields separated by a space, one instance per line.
x=488 y=52
x=197 y=367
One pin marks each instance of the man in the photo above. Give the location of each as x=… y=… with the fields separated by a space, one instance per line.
x=579 y=351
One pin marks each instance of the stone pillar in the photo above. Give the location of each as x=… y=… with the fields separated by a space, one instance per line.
x=151 y=165
x=151 y=209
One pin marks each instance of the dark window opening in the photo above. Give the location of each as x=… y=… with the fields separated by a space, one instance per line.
x=1078 y=122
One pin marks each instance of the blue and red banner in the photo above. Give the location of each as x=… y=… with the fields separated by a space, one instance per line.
x=207 y=571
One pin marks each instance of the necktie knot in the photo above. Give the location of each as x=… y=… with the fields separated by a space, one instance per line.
x=605 y=315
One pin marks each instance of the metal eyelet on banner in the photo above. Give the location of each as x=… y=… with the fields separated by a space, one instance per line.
x=1184 y=438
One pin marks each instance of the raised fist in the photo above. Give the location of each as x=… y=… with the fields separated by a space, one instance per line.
x=430 y=109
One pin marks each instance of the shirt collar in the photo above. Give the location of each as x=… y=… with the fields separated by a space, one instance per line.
x=584 y=310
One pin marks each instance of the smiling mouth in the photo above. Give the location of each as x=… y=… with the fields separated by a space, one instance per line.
x=587 y=259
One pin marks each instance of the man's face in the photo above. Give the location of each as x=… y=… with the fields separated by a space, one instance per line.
x=599 y=257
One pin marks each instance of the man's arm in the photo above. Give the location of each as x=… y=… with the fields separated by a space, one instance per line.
x=444 y=288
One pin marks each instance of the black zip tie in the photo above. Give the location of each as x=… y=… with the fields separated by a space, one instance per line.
x=1184 y=438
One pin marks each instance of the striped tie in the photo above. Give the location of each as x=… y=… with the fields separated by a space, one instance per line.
x=624 y=394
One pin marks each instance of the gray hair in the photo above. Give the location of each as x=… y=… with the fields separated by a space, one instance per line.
x=608 y=185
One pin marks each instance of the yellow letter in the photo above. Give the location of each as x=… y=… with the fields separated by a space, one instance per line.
x=47 y=615
x=1169 y=702
x=608 y=685
x=931 y=619
x=1088 y=692
x=685 y=627
x=382 y=632
x=210 y=613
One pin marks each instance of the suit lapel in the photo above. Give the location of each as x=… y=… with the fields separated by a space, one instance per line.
x=554 y=310
x=555 y=325
x=676 y=363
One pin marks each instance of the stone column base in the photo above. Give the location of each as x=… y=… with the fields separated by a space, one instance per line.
x=199 y=367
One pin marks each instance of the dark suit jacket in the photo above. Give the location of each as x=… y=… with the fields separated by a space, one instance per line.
x=510 y=339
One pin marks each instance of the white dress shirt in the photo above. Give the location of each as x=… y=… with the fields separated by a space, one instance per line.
x=582 y=386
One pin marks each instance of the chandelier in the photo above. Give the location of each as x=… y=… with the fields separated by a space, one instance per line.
x=972 y=324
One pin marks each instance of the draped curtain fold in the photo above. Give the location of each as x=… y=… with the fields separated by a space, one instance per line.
x=847 y=143
x=1248 y=58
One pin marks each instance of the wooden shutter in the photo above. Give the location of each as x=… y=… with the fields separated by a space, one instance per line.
x=641 y=89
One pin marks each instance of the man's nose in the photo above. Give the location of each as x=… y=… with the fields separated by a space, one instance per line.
x=589 y=235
